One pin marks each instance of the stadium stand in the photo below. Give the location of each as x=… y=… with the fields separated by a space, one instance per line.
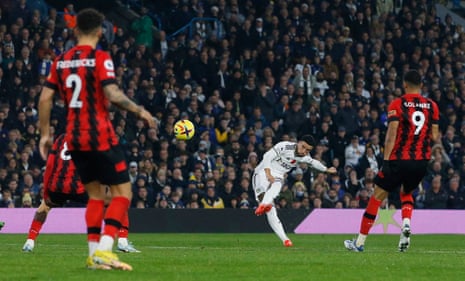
x=248 y=73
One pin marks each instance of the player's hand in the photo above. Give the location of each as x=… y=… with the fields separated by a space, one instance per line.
x=44 y=145
x=386 y=168
x=270 y=178
x=147 y=117
x=331 y=170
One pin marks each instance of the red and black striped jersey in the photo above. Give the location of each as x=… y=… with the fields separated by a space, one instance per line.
x=60 y=173
x=416 y=115
x=79 y=75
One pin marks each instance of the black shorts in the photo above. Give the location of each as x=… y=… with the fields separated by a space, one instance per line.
x=407 y=173
x=59 y=199
x=108 y=167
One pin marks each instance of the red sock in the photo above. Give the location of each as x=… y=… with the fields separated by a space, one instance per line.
x=124 y=230
x=407 y=205
x=35 y=229
x=94 y=217
x=370 y=215
x=114 y=215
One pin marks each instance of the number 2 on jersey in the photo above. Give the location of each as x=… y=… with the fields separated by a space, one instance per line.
x=73 y=81
x=418 y=119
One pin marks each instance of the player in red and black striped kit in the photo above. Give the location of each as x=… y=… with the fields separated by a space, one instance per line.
x=85 y=79
x=62 y=184
x=413 y=126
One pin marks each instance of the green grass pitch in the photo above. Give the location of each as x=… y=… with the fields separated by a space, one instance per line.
x=224 y=257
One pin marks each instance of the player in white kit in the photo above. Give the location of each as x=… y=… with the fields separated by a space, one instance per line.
x=269 y=174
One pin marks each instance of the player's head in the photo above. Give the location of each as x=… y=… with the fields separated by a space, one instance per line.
x=412 y=81
x=89 y=22
x=305 y=144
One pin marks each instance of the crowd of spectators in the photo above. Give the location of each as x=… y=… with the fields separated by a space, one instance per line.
x=262 y=72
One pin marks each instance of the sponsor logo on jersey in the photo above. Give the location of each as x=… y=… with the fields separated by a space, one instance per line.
x=284 y=164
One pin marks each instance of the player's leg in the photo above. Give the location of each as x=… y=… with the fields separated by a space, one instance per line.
x=115 y=213
x=407 y=202
x=91 y=166
x=114 y=173
x=277 y=226
x=369 y=216
x=260 y=185
x=94 y=214
x=384 y=182
x=123 y=243
x=36 y=225
x=414 y=171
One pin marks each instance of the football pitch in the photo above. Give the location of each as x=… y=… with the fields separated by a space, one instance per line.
x=224 y=257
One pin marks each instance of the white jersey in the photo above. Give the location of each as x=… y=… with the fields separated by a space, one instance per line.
x=281 y=158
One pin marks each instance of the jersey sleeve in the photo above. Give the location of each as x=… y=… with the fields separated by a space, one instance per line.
x=52 y=79
x=394 y=111
x=105 y=69
x=315 y=164
x=272 y=153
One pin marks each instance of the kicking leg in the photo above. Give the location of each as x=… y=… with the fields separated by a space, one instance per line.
x=277 y=226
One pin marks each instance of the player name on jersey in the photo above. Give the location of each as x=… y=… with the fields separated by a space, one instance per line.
x=76 y=63
x=417 y=104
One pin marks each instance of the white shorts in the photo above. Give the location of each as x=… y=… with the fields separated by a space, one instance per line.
x=260 y=183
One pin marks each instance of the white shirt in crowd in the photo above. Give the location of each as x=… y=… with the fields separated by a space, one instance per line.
x=353 y=152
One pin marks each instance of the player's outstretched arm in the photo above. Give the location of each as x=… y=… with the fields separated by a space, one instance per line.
x=317 y=165
x=331 y=170
x=117 y=97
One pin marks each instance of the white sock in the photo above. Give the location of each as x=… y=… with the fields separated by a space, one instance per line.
x=123 y=242
x=360 y=240
x=92 y=247
x=406 y=221
x=272 y=193
x=106 y=243
x=30 y=242
x=276 y=224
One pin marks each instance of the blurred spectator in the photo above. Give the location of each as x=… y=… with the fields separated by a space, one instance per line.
x=211 y=200
x=436 y=197
x=143 y=28
x=456 y=195
x=353 y=152
x=369 y=160
x=227 y=194
x=70 y=16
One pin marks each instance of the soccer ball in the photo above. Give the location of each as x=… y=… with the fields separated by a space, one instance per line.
x=184 y=130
